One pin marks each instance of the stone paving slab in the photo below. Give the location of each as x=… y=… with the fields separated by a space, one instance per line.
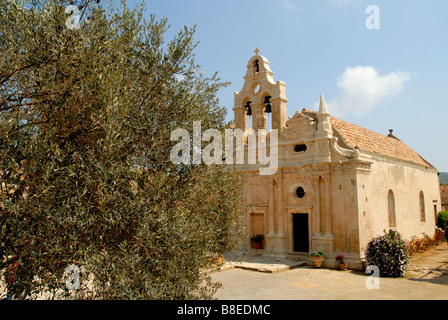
x=264 y=267
x=260 y=263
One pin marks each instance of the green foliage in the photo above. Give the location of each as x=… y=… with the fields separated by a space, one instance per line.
x=442 y=219
x=85 y=121
x=389 y=253
x=317 y=254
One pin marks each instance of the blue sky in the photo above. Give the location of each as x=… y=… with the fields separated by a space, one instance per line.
x=394 y=77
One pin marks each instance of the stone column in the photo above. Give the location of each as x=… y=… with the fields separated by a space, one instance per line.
x=325 y=205
x=328 y=216
x=271 y=209
x=241 y=121
x=278 y=113
x=322 y=205
x=322 y=237
x=316 y=210
x=280 y=225
x=276 y=236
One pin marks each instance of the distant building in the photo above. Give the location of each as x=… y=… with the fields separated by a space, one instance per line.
x=337 y=186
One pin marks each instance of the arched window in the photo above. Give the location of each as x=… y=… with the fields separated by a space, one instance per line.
x=391 y=207
x=422 y=207
x=256 y=66
x=268 y=111
x=249 y=112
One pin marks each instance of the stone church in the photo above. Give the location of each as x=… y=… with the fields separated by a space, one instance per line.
x=337 y=185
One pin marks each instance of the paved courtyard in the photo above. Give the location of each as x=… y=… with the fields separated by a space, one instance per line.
x=427 y=278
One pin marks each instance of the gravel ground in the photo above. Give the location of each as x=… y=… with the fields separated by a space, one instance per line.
x=427 y=278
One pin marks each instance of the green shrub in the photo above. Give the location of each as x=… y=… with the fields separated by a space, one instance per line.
x=442 y=219
x=86 y=123
x=389 y=253
x=317 y=254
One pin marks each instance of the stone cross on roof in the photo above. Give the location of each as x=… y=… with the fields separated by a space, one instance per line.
x=257 y=51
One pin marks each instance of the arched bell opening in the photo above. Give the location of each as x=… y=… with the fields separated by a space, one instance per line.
x=248 y=113
x=268 y=111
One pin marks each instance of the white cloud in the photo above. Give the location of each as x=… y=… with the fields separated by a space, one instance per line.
x=363 y=88
x=290 y=5
x=341 y=3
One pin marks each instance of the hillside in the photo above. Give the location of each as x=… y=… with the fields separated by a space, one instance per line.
x=443 y=177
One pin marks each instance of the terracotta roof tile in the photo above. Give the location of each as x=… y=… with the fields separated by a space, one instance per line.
x=367 y=140
x=364 y=139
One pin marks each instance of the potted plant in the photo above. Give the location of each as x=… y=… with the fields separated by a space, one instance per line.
x=342 y=264
x=257 y=239
x=318 y=259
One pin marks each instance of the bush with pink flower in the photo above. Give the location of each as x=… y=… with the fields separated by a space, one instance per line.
x=389 y=253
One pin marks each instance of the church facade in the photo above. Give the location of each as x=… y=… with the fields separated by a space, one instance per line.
x=337 y=185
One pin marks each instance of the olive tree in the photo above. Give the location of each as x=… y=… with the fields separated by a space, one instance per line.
x=87 y=106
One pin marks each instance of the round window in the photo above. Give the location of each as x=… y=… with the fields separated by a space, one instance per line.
x=300 y=192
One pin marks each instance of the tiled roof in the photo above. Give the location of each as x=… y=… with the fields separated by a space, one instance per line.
x=364 y=139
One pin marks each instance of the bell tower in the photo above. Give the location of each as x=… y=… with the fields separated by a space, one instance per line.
x=260 y=97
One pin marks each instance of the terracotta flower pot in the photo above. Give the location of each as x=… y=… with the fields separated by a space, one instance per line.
x=257 y=245
x=343 y=266
x=317 y=261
